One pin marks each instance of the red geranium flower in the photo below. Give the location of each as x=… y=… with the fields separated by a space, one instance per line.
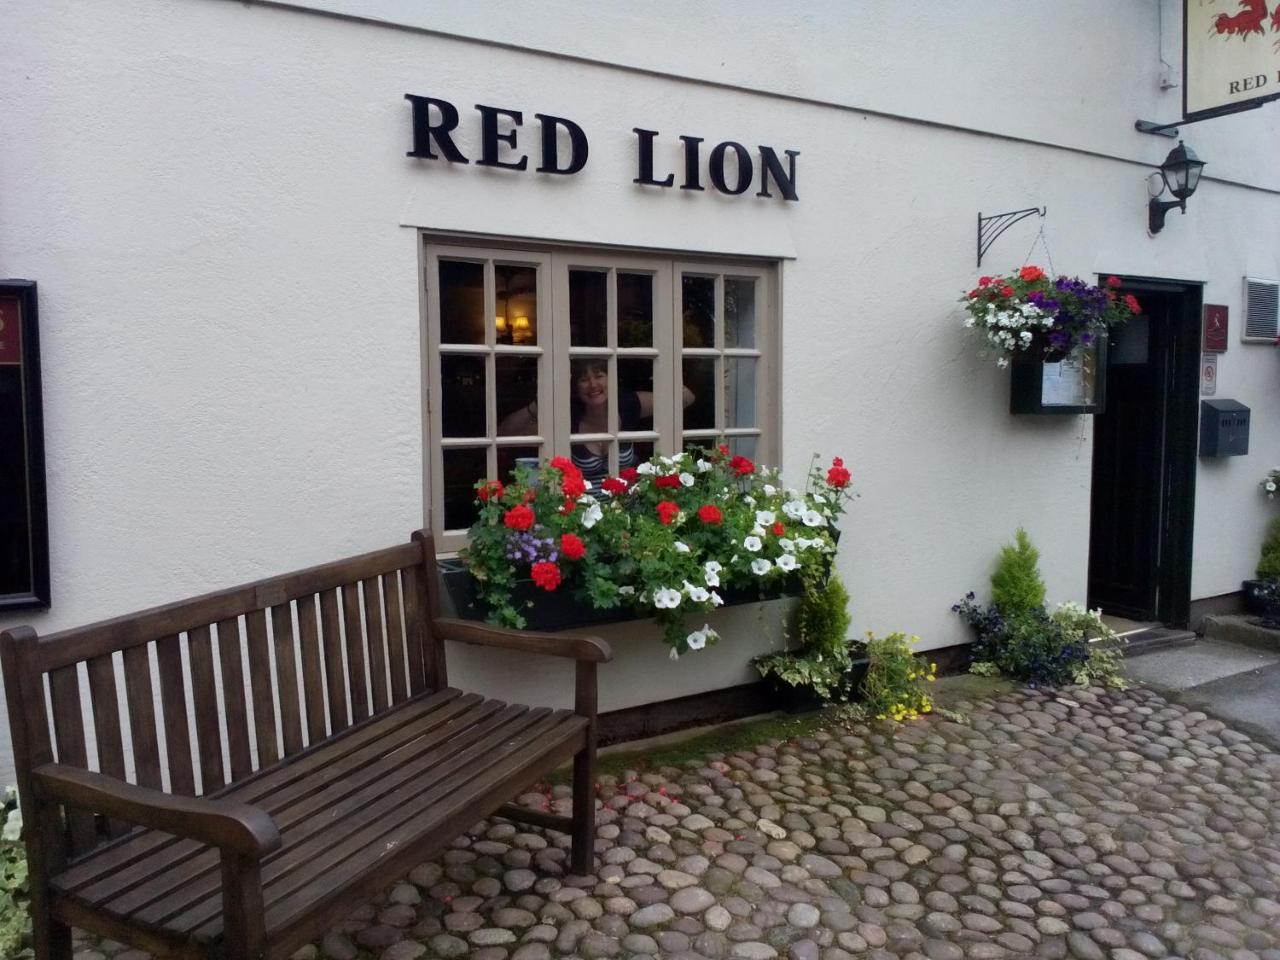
x=563 y=464
x=1030 y=273
x=838 y=476
x=545 y=574
x=566 y=508
x=629 y=474
x=1131 y=302
x=724 y=449
x=710 y=513
x=742 y=466
x=614 y=486
x=778 y=529
x=984 y=281
x=573 y=486
x=491 y=490
x=670 y=482
x=972 y=294
x=667 y=511
x=1113 y=281
x=518 y=518
x=572 y=547
x=1006 y=291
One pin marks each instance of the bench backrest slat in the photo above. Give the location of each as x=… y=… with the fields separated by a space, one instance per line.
x=220 y=686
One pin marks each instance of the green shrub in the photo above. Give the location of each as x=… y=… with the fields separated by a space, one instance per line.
x=895 y=685
x=821 y=660
x=1016 y=586
x=15 y=924
x=1269 y=561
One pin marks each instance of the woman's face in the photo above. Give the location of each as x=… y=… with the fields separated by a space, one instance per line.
x=592 y=386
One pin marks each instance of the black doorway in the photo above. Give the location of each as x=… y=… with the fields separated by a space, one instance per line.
x=1144 y=459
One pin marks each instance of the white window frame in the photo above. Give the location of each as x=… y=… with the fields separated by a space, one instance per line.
x=552 y=264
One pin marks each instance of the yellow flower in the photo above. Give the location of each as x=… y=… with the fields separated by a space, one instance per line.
x=932 y=679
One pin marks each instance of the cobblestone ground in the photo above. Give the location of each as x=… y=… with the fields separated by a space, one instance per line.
x=1088 y=825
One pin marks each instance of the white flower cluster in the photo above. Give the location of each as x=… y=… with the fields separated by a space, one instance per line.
x=1011 y=327
x=1271 y=483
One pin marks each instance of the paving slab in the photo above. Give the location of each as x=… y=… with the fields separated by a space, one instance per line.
x=1182 y=668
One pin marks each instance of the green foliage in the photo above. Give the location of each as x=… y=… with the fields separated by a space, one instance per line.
x=985 y=668
x=15 y=923
x=1269 y=561
x=895 y=685
x=822 y=660
x=1016 y=586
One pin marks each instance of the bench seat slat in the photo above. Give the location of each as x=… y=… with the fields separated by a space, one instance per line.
x=337 y=757
x=412 y=784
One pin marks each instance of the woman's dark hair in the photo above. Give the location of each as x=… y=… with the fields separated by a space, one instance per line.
x=584 y=365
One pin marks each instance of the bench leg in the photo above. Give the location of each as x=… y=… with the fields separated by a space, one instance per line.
x=584 y=811
x=242 y=908
x=52 y=940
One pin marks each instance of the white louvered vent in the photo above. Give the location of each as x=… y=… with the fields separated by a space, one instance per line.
x=1261 y=310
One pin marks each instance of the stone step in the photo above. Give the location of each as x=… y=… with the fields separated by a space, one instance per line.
x=1156 y=638
x=1242 y=630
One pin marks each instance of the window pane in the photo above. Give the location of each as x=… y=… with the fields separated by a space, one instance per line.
x=517 y=386
x=700 y=378
x=462 y=395
x=507 y=457
x=592 y=459
x=698 y=300
x=739 y=312
x=631 y=454
x=462 y=469
x=461 y=302
x=516 y=300
x=635 y=310
x=740 y=393
x=588 y=308
x=745 y=446
x=589 y=395
x=635 y=391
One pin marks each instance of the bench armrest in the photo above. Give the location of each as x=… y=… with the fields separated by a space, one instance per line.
x=591 y=649
x=224 y=824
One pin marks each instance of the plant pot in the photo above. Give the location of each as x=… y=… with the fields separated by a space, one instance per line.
x=561 y=610
x=1258 y=598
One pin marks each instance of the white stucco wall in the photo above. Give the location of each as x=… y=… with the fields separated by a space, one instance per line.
x=215 y=200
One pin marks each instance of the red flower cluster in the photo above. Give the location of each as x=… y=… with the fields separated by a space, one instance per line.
x=545 y=574
x=1006 y=291
x=778 y=529
x=491 y=490
x=710 y=513
x=1030 y=273
x=985 y=281
x=572 y=485
x=669 y=482
x=1131 y=302
x=629 y=474
x=742 y=466
x=667 y=511
x=1113 y=282
x=838 y=476
x=572 y=547
x=614 y=485
x=518 y=518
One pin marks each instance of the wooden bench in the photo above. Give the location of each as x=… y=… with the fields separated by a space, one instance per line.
x=293 y=747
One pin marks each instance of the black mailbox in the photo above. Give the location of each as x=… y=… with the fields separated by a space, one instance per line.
x=1224 y=428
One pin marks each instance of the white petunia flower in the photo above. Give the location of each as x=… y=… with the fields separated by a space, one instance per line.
x=674 y=654
x=705 y=465
x=626 y=590
x=749 y=500
x=765 y=517
x=787 y=562
x=698 y=639
x=1271 y=486
x=681 y=547
x=753 y=544
x=664 y=598
x=716 y=599
x=757 y=531
x=647 y=468
x=711 y=573
x=686 y=479
x=812 y=518
x=770 y=490
x=696 y=593
x=787 y=544
x=794 y=509
x=820 y=498
x=593 y=515
x=760 y=566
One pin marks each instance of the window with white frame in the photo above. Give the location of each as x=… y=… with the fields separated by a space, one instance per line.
x=606 y=358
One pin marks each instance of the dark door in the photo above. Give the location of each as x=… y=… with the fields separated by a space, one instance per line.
x=1144 y=460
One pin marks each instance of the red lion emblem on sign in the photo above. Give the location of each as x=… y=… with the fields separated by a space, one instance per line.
x=1248 y=19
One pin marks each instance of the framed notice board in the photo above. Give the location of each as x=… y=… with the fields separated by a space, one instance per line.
x=24 y=519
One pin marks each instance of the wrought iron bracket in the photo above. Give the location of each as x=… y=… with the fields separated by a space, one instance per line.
x=989 y=228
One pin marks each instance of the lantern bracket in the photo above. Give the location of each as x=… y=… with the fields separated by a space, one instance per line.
x=990 y=228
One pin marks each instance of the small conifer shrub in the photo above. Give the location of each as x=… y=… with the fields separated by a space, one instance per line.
x=1016 y=586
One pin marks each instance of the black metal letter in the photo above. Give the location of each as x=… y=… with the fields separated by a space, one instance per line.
x=550 y=145
x=744 y=167
x=692 y=176
x=772 y=166
x=490 y=137
x=646 y=160
x=424 y=129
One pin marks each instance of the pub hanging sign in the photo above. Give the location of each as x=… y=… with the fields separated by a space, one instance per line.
x=24 y=524
x=730 y=167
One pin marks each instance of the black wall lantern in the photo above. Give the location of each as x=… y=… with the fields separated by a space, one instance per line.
x=1181 y=173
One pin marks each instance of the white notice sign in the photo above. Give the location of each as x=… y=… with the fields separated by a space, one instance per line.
x=1208 y=374
x=1063 y=384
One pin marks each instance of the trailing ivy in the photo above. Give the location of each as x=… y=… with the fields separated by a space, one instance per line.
x=15 y=922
